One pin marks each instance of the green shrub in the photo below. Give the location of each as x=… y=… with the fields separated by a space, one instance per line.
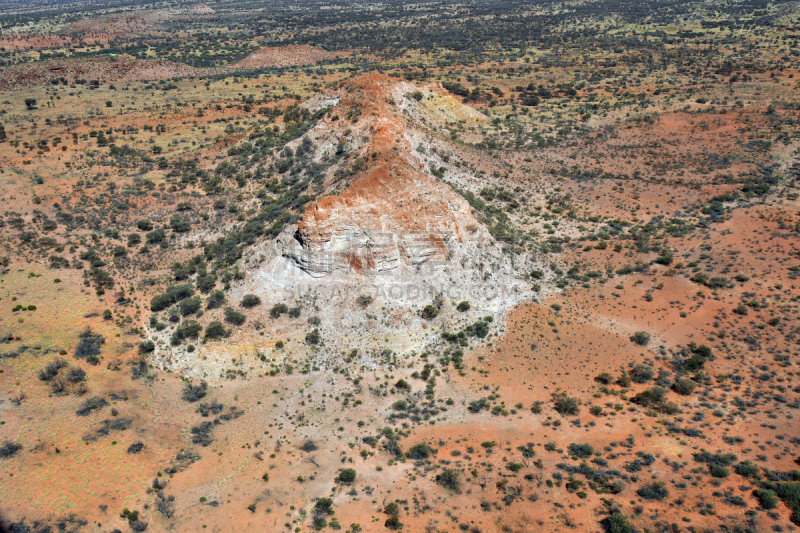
x=277 y=310
x=581 y=450
x=323 y=506
x=653 y=491
x=348 y=475
x=767 y=498
x=190 y=306
x=189 y=329
x=565 y=405
x=234 y=317
x=215 y=299
x=215 y=330
x=463 y=306
x=155 y=236
x=642 y=338
x=250 y=301
x=641 y=374
x=695 y=363
x=684 y=387
x=618 y=523
x=719 y=470
x=419 y=451
x=430 y=312
x=393 y=522
x=605 y=378
x=650 y=397
x=746 y=469
x=313 y=337
x=448 y=478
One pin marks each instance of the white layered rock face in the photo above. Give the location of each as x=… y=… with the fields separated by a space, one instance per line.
x=354 y=242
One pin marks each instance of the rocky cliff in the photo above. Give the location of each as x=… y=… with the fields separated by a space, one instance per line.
x=392 y=216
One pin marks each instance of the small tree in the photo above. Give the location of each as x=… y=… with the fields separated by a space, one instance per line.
x=448 y=478
x=393 y=522
x=653 y=491
x=685 y=387
x=348 y=475
x=419 y=451
x=430 y=312
x=313 y=337
x=618 y=523
x=767 y=498
x=277 y=310
x=234 y=317
x=192 y=393
x=642 y=338
x=215 y=299
x=215 y=330
x=604 y=377
x=565 y=405
x=250 y=300
x=30 y=103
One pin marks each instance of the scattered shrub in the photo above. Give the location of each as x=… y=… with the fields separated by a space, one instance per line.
x=618 y=523
x=641 y=373
x=653 y=491
x=89 y=346
x=136 y=447
x=192 y=393
x=419 y=451
x=348 y=475
x=250 y=300
x=76 y=374
x=746 y=469
x=215 y=330
x=642 y=338
x=605 y=378
x=767 y=498
x=448 y=478
x=215 y=299
x=565 y=405
x=684 y=387
x=581 y=450
x=309 y=446
x=51 y=369
x=277 y=310
x=234 y=317
x=313 y=337
x=9 y=449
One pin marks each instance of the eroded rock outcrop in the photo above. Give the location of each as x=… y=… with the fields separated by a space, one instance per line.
x=392 y=216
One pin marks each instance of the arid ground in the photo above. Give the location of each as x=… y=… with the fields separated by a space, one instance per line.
x=486 y=267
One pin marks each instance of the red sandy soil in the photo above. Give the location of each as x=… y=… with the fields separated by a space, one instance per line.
x=285 y=56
